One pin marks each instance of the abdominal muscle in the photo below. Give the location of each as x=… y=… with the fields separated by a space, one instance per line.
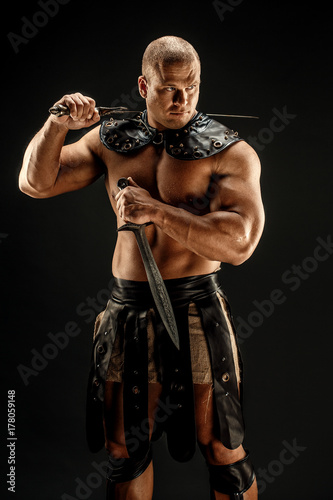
x=172 y=259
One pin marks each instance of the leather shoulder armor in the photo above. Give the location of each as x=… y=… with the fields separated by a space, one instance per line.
x=200 y=138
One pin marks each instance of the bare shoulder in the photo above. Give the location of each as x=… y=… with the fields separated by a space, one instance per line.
x=238 y=170
x=239 y=159
x=92 y=140
x=87 y=148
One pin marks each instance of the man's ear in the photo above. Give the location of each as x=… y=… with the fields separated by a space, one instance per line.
x=143 y=86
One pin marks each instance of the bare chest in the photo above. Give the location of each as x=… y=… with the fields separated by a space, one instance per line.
x=184 y=184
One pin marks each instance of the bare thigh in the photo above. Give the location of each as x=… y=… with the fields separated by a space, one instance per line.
x=212 y=448
x=114 y=416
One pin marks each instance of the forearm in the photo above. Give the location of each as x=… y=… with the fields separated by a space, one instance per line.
x=219 y=236
x=225 y=235
x=41 y=162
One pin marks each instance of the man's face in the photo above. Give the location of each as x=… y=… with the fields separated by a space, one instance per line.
x=171 y=93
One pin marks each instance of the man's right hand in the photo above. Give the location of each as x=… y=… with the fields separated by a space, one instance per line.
x=82 y=112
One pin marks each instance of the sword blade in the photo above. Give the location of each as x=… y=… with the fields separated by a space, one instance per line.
x=157 y=286
x=233 y=116
x=155 y=281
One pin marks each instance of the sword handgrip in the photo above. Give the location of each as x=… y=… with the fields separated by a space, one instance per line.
x=61 y=110
x=130 y=226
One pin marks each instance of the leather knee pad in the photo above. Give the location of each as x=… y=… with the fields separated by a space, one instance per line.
x=125 y=469
x=232 y=479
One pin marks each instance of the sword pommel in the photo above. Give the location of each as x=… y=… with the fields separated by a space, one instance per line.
x=122 y=183
x=59 y=110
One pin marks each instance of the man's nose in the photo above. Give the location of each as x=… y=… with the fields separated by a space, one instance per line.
x=180 y=98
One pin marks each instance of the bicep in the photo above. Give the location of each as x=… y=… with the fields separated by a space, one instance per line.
x=239 y=191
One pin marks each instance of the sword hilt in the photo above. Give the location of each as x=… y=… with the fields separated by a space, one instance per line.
x=61 y=110
x=122 y=183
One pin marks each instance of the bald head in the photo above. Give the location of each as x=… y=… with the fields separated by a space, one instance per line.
x=165 y=51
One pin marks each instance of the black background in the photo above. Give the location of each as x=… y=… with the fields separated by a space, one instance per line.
x=257 y=57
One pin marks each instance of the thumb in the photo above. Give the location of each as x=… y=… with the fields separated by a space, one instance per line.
x=132 y=183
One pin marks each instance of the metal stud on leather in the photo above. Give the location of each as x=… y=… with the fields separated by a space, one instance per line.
x=200 y=138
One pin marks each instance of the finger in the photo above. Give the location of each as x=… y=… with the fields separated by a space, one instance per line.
x=132 y=182
x=67 y=100
x=121 y=213
x=119 y=202
x=94 y=119
x=79 y=106
x=93 y=113
x=82 y=106
x=76 y=115
x=85 y=107
x=70 y=102
x=119 y=195
x=89 y=110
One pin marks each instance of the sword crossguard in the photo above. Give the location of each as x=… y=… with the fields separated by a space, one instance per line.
x=131 y=226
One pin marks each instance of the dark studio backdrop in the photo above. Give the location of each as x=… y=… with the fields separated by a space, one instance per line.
x=269 y=59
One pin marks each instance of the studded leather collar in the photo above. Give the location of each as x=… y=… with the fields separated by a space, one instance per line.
x=200 y=138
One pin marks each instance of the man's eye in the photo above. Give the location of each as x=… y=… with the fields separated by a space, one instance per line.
x=170 y=89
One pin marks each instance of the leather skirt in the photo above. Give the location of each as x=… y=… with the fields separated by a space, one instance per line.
x=126 y=313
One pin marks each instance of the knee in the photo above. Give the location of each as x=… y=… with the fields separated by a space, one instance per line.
x=123 y=469
x=116 y=450
x=217 y=454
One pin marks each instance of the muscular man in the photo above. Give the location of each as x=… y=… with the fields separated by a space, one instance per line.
x=198 y=183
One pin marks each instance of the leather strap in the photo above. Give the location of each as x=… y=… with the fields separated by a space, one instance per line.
x=125 y=469
x=232 y=479
x=178 y=394
x=135 y=394
x=227 y=400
